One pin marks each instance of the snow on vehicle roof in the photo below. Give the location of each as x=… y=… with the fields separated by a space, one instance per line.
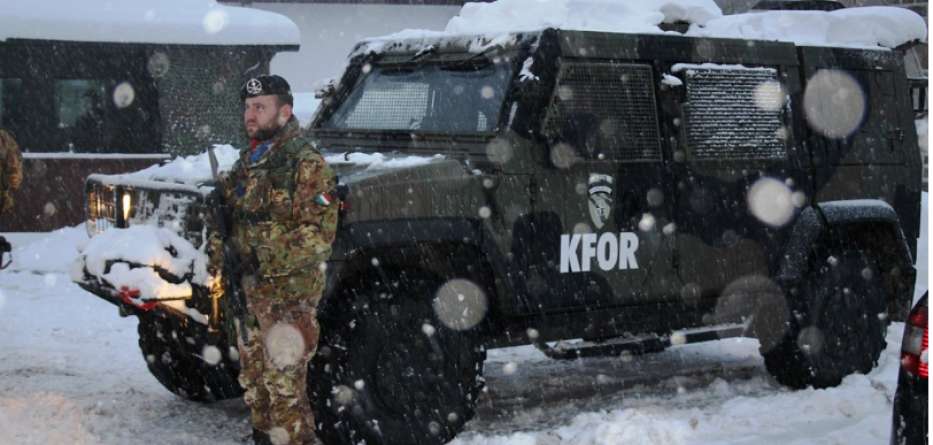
x=642 y=16
x=192 y=22
x=876 y=27
x=483 y=25
x=866 y=27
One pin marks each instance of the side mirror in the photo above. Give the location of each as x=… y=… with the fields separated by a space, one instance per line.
x=327 y=89
x=528 y=85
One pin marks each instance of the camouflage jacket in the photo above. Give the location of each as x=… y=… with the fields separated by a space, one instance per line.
x=283 y=215
x=11 y=169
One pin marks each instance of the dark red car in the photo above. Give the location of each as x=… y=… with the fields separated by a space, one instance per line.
x=910 y=401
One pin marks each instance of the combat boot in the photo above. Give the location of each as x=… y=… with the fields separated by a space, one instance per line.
x=261 y=437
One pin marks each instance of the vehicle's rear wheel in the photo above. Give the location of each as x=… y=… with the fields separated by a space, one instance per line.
x=838 y=322
x=185 y=364
x=387 y=371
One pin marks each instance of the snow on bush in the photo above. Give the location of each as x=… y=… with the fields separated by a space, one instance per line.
x=135 y=254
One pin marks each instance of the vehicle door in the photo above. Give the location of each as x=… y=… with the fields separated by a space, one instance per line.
x=599 y=210
x=740 y=179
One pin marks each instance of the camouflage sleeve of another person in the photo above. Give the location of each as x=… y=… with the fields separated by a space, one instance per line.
x=13 y=162
x=313 y=203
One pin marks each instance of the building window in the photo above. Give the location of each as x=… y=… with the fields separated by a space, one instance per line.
x=78 y=100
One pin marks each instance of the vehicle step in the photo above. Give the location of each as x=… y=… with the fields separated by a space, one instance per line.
x=641 y=344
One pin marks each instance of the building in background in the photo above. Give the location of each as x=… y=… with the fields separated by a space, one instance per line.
x=119 y=88
x=330 y=29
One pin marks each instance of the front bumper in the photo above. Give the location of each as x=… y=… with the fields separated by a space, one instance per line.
x=128 y=303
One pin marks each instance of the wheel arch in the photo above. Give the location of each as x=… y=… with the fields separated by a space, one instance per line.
x=444 y=247
x=873 y=226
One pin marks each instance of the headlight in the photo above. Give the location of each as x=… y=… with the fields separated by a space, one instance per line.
x=127 y=207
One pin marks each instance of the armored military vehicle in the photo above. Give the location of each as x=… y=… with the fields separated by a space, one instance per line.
x=624 y=191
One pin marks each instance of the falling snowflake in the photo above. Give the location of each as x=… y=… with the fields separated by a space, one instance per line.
x=124 y=95
x=460 y=304
x=834 y=103
x=285 y=345
x=769 y=95
x=158 y=64
x=771 y=201
x=563 y=156
x=532 y=334
x=487 y=92
x=215 y=21
x=655 y=197
x=211 y=355
x=499 y=150
x=647 y=222
x=678 y=338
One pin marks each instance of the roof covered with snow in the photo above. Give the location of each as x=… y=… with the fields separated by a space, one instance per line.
x=878 y=27
x=194 y=22
x=867 y=27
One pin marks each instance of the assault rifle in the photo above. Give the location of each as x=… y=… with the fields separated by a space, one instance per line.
x=233 y=266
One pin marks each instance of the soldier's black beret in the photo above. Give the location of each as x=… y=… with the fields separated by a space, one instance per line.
x=265 y=85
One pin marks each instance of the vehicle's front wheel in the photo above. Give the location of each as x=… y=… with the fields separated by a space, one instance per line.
x=387 y=371
x=185 y=364
x=837 y=323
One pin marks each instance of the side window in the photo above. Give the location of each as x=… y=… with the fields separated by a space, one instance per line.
x=605 y=111
x=733 y=113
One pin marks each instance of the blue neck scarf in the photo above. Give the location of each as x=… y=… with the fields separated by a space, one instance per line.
x=260 y=150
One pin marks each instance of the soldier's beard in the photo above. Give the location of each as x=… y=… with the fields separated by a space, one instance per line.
x=264 y=134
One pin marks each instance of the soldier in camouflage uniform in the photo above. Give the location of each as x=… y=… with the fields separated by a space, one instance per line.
x=11 y=170
x=283 y=223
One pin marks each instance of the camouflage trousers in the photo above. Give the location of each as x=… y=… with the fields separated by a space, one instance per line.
x=282 y=337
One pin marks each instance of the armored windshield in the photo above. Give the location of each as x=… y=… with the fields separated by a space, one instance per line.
x=460 y=97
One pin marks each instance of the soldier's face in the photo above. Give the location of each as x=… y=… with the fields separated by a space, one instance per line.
x=263 y=116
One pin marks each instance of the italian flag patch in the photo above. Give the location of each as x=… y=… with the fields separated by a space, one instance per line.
x=323 y=199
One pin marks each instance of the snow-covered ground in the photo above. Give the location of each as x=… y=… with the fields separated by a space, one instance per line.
x=71 y=372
